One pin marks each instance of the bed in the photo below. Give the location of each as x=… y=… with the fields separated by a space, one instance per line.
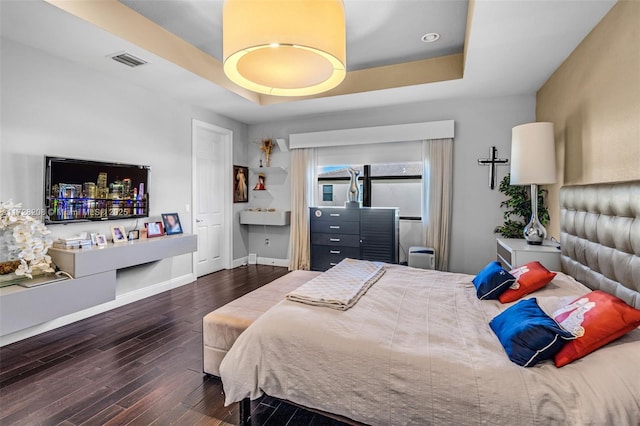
x=417 y=348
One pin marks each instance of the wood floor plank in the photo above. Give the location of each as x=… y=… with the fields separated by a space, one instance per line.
x=26 y=403
x=138 y=364
x=104 y=416
x=68 y=405
x=32 y=371
x=112 y=398
x=171 y=395
x=281 y=415
x=261 y=414
x=171 y=415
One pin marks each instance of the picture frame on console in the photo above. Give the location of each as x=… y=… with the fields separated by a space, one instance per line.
x=154 y=229
x=101 y=240
x=171 y=223
x=118 y=234
x=134 y=235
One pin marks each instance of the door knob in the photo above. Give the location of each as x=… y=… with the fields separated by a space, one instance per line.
x=198 y=220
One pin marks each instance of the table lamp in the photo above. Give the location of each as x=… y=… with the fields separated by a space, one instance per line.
x=533 y=162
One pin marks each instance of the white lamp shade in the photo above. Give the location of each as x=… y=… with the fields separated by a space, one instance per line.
x=533 y=154
x=284 y=47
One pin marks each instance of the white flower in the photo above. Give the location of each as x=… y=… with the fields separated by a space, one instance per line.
x=24 y=238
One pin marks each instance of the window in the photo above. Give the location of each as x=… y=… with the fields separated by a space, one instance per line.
x=381 y=185
x=327 y=192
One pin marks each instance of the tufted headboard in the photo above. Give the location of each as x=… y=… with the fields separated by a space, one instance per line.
x=600 y=237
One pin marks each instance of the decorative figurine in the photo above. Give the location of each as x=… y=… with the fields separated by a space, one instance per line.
x=260 y=185
x=266 y=145
x=353 y=193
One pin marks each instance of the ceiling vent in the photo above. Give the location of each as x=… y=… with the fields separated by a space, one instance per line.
x=128 y=59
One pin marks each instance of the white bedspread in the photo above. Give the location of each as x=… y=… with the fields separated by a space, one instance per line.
x=417 y=349
x=341 y=286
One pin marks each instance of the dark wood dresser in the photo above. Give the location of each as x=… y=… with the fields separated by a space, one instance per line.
x=365 y=233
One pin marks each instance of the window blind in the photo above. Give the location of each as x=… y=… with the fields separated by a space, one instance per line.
x=393 y=152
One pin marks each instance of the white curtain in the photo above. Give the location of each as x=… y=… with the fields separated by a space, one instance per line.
x=437 y=181
x=303 y=171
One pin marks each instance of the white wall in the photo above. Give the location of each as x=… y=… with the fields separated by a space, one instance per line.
x=479 y=124
x=277 y=195
x=51 y=106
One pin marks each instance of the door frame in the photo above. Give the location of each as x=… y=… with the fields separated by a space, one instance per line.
x=227 y=251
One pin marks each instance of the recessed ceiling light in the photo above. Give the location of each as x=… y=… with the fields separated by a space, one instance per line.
x=430 y=37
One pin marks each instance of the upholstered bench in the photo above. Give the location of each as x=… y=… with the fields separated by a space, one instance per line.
x=221 y=328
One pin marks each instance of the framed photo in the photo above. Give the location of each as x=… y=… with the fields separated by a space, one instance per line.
x=171 y=223
x=240 y=187
x=101 y=240
x=154 y=229
x=118 y=234
x=94 y=241
x=134 y=235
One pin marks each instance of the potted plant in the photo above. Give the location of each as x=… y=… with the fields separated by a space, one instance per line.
x=518 y=208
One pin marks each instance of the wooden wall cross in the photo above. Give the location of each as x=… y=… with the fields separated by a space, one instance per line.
x=492 y=162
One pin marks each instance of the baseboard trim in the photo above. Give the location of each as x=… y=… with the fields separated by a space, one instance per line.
x=273 y=262
x=121 y=300
x=240 y=262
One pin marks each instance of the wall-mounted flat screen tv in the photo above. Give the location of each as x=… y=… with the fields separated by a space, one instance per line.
x=80 y=190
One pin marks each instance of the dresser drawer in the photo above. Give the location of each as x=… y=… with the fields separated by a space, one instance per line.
x=335 y=240
x=346 y=215
x=324 y=257
x=504 y=256
x=335 y=227
x=515 y=252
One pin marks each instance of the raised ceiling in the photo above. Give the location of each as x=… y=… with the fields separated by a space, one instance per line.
x=378 y=32
x=512 y=47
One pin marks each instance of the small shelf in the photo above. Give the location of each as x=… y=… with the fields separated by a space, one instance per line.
x=275 y=218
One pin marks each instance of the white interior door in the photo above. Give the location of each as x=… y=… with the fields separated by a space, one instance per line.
x=212 y=167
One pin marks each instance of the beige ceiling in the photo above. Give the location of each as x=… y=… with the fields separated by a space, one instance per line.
x=511 y=48
x=384 y=49
x=378 y=32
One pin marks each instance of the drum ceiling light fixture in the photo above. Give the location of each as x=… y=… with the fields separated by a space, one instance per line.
x=284 y=47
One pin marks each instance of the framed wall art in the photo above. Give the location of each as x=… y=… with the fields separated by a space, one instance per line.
x=240 y=187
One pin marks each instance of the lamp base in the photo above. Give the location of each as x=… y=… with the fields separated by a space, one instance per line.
x=534 y=232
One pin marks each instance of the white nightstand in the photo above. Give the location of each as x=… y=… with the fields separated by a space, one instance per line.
x=513 y=252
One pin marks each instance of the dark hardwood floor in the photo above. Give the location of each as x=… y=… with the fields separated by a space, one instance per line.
x=138 y=364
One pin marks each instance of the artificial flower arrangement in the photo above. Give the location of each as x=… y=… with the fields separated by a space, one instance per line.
x=24 y=241
x=266 y=145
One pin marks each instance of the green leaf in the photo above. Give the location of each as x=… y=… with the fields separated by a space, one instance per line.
x=518 y=208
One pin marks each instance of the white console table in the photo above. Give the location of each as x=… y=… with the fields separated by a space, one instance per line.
x=94 y=283
x=83 y=262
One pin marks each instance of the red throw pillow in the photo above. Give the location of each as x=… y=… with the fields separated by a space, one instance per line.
x=596 y=319
x=529 y=278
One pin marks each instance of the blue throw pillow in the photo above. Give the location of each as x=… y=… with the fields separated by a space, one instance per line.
x=492 y=281
x=527 y=334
